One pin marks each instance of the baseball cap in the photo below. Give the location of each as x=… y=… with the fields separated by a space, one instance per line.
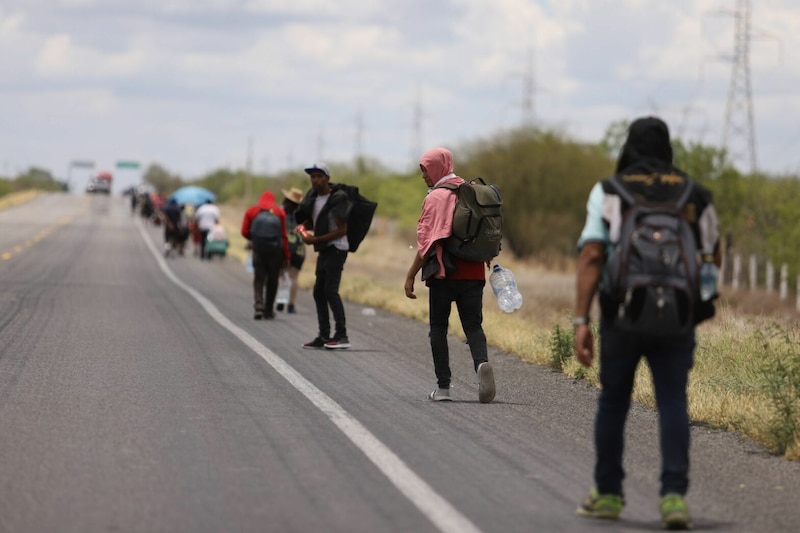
x=322 y=167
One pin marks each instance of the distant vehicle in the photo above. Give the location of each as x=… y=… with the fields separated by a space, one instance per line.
x=100 y=183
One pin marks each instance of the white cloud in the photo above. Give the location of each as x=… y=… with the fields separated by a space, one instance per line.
x=186 y=77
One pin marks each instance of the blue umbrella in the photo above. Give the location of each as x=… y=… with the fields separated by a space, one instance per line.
x=192 y=195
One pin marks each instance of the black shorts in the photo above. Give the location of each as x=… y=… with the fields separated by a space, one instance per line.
x=296 y=261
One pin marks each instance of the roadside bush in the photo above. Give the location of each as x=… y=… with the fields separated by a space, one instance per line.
x=780 y=369
x=562 y=342
x=562 y=352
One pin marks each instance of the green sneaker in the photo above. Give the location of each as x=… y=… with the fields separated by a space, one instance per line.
x=674 y=513
x=606 y=506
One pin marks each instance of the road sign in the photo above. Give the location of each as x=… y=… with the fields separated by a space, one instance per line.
x=128 y=164
x=82 y=164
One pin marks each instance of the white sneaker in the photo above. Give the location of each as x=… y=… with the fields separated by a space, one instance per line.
x=440 y=395
x=486 y=388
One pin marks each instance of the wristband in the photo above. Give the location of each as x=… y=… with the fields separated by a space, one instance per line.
x=580 y=320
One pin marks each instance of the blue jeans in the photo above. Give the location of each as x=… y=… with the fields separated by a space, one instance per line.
x=468 y=296
x=670 y=360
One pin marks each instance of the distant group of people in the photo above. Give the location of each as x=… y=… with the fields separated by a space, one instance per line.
x=201 y=224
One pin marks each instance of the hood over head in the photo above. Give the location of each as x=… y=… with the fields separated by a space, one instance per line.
x=267 y=200
x=647 y=148
x=438 y=162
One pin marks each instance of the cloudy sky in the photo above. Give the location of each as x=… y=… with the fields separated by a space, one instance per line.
x=193 y=84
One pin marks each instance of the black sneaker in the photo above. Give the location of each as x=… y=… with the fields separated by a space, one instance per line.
x=317 y=344
x=291 y=310
x=279 y=307
x=337 y=343
x=258 y=315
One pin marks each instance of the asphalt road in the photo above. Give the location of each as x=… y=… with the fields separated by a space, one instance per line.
x=137 y=394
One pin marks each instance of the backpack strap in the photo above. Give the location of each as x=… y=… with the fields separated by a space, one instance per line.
x=621 y=190
x=454 y=187
x=628 y=198
x=687 y=192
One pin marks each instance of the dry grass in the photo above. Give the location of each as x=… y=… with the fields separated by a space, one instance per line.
x=17 y=198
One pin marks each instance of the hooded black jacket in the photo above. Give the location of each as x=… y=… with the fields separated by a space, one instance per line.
x=338 y=206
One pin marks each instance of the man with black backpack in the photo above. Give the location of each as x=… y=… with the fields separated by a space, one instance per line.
x=325 y=209
x=648 y=231
x=264 y=225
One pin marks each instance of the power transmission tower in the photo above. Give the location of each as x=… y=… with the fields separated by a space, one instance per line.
x=739 y=131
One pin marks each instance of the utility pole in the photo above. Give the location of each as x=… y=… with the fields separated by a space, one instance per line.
x=360 y=141
x=528 y=91
x=248 y=178
x=739 y=137
x=320 y=144
x=416 y=139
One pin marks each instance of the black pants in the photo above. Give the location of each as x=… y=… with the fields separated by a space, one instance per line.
x=203 y=239
x=468 y=296
x=330 y=264
x=266 y=271
x=670 y=360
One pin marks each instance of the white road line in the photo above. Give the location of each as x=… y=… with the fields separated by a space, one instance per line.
x=437 y=509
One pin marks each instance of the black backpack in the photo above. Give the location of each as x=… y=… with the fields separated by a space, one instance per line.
x=360 y=217
x=653 y=275
x=266 y=232
x=477 y=221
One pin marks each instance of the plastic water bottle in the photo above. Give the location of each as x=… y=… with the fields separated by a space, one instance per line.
x=284 y=288
x=708 y=281
x=505 y=288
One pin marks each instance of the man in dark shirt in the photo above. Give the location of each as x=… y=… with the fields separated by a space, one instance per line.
x=324 y=210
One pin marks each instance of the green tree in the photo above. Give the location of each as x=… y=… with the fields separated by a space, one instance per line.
x=614 y=138
x=161 y=179
x=545 y=178
x=37 y=178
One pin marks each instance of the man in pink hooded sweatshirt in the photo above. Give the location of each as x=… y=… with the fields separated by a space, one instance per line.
x=449 y=279
x=264 y=225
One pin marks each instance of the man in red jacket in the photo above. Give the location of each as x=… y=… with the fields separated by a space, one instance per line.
x=264 y=225
x=449 y=279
